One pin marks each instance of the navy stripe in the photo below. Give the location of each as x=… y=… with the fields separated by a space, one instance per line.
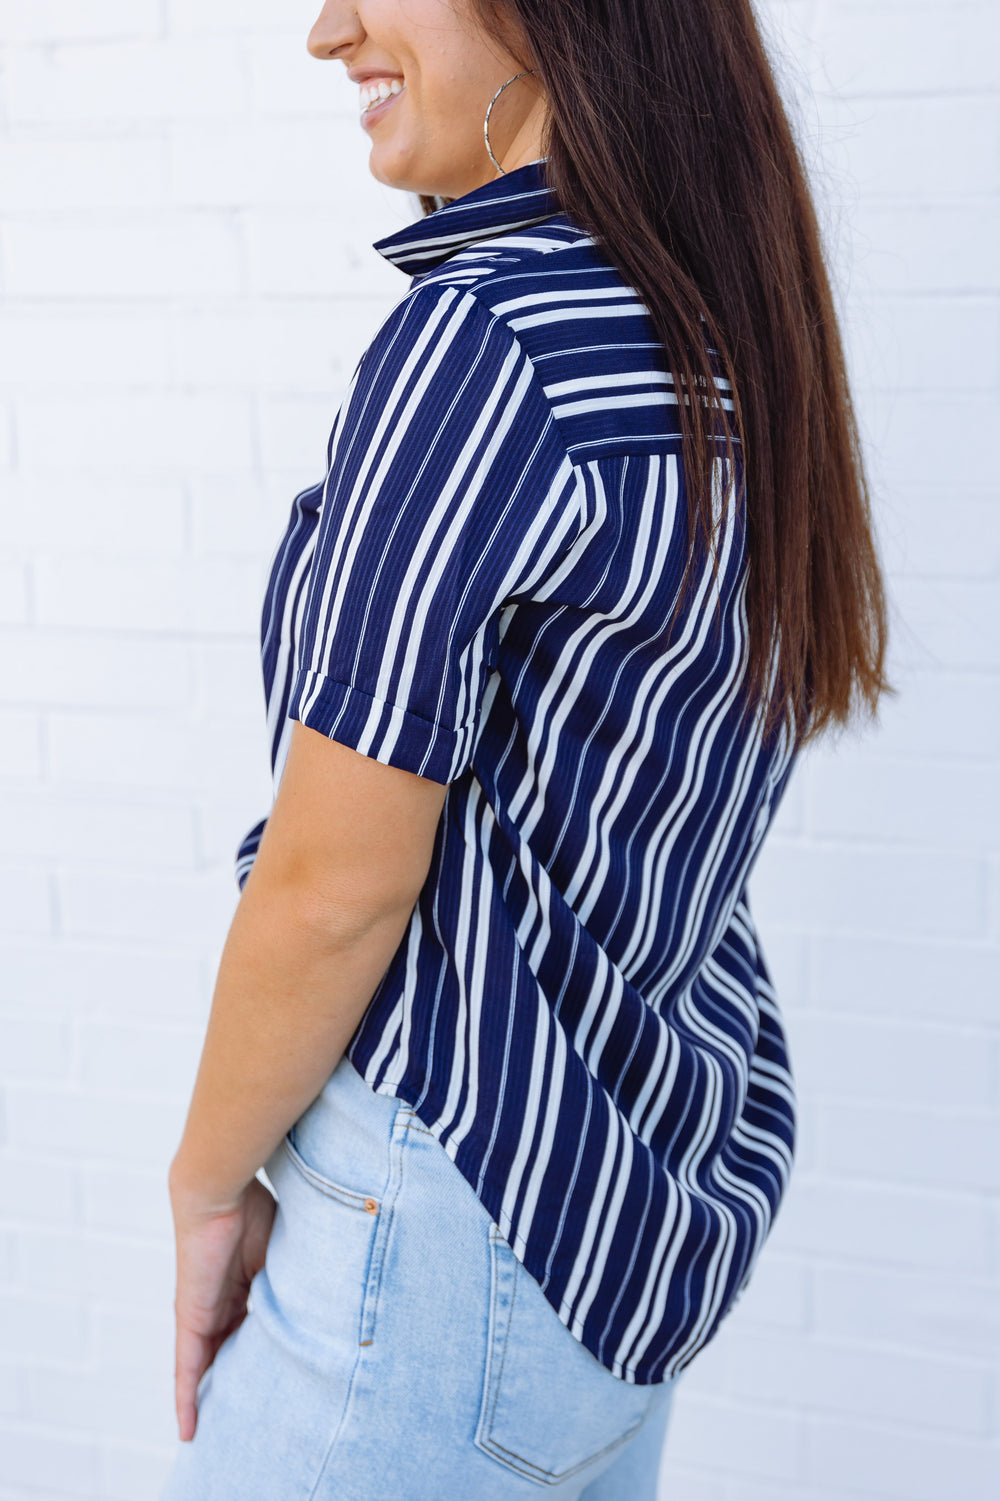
x=483 y=591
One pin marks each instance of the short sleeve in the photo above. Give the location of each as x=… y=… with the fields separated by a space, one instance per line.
x=449 y=493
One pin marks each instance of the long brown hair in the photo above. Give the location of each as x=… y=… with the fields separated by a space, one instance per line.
x=667 y=141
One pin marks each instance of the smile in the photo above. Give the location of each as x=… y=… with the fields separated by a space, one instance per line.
x=377 y=97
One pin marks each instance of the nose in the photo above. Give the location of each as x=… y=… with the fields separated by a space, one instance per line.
x=337 y=26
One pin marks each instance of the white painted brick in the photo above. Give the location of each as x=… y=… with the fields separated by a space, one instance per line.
x=132 y=1200
x=273 y=163
x=905 y=147
x=112 y=1269
x=36 y=1456
x=232 y=16
x=96 y=1125
x=749 y=1490
x=785 y=956
x=108 y=1403
x=48 y=827
x=126 y=1337
x=240 y=516
x=15 y=605
x=925 y=248
x=37 y=1327
x=81 y=174
x=54 y=348
x=862 y=1222
x=222 y=348
x=826 y=887
x=949 y=1149
x=64 y=669
x=63 y=21
x=25 y=901
x=108 y=980
x=35 y=1047
x=137 y=1472
x=52 y=1261
x=37 y=1190
x=284 y=484
x=291 y=426
x=105 y=904
x=286 y=82
x=751 y=1440
x=229 y=679
x=187 y=218
x=951 y=713
x=777 y=1296
x=11 y=1401
x=20 y=744
x=114 y=256
x=829 y=1376
x=906 y=1463
x=854 y=1057
x=936 y=342
x=952 y=983
x=222 y=825
x=678 y=1481
x=187 y=597
x=9 y=1244
x=951 y=624
x=157 y=752
x=916 y=438
x=126 y=82
x=151 y=433
x=312 y=345
x=112 y=1053
x=40 y=1495
x=924 y=547
x=310 y=255
x=6 y=435
x=904 y=47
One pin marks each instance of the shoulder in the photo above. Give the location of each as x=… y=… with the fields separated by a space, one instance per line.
x=583 y=328
x=547 y=297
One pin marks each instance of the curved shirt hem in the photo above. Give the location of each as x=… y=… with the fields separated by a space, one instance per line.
x=634 y=1373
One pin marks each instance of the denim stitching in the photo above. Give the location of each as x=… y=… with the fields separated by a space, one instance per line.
x=326 y=1186
x=383 y=1223
x=397 y=1141
x=518 y=1462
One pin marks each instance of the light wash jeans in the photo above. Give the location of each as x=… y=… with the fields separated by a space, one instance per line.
x=396 y=1350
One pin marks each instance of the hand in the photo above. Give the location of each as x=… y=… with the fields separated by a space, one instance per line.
x=218 y=1254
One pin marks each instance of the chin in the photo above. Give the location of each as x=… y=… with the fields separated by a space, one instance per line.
x=404 y=182
x=392 y=172
x=398 y=168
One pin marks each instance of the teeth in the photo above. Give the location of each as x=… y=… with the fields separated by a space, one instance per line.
x=374 y=93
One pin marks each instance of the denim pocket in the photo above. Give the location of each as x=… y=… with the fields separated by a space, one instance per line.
x=549 y=1408
x=351 y=1197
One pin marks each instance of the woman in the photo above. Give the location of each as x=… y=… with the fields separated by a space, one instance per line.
x=539 y=654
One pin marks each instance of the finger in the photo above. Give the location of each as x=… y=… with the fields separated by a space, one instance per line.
x=190 y=1364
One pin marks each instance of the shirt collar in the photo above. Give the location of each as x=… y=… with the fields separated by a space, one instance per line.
x=518 y=198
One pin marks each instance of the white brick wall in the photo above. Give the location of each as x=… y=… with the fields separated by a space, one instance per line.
x=186 y=219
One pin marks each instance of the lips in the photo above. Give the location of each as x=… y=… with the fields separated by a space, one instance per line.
x=376 y=111
x=379 y=86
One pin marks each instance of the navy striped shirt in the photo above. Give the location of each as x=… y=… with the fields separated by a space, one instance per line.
x=483 y=591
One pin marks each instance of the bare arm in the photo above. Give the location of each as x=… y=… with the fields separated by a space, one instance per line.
x=344 y=855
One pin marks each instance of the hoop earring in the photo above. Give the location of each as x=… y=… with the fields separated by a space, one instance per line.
x=486 y=122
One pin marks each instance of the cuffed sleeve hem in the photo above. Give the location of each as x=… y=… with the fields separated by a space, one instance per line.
x=378 y=728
